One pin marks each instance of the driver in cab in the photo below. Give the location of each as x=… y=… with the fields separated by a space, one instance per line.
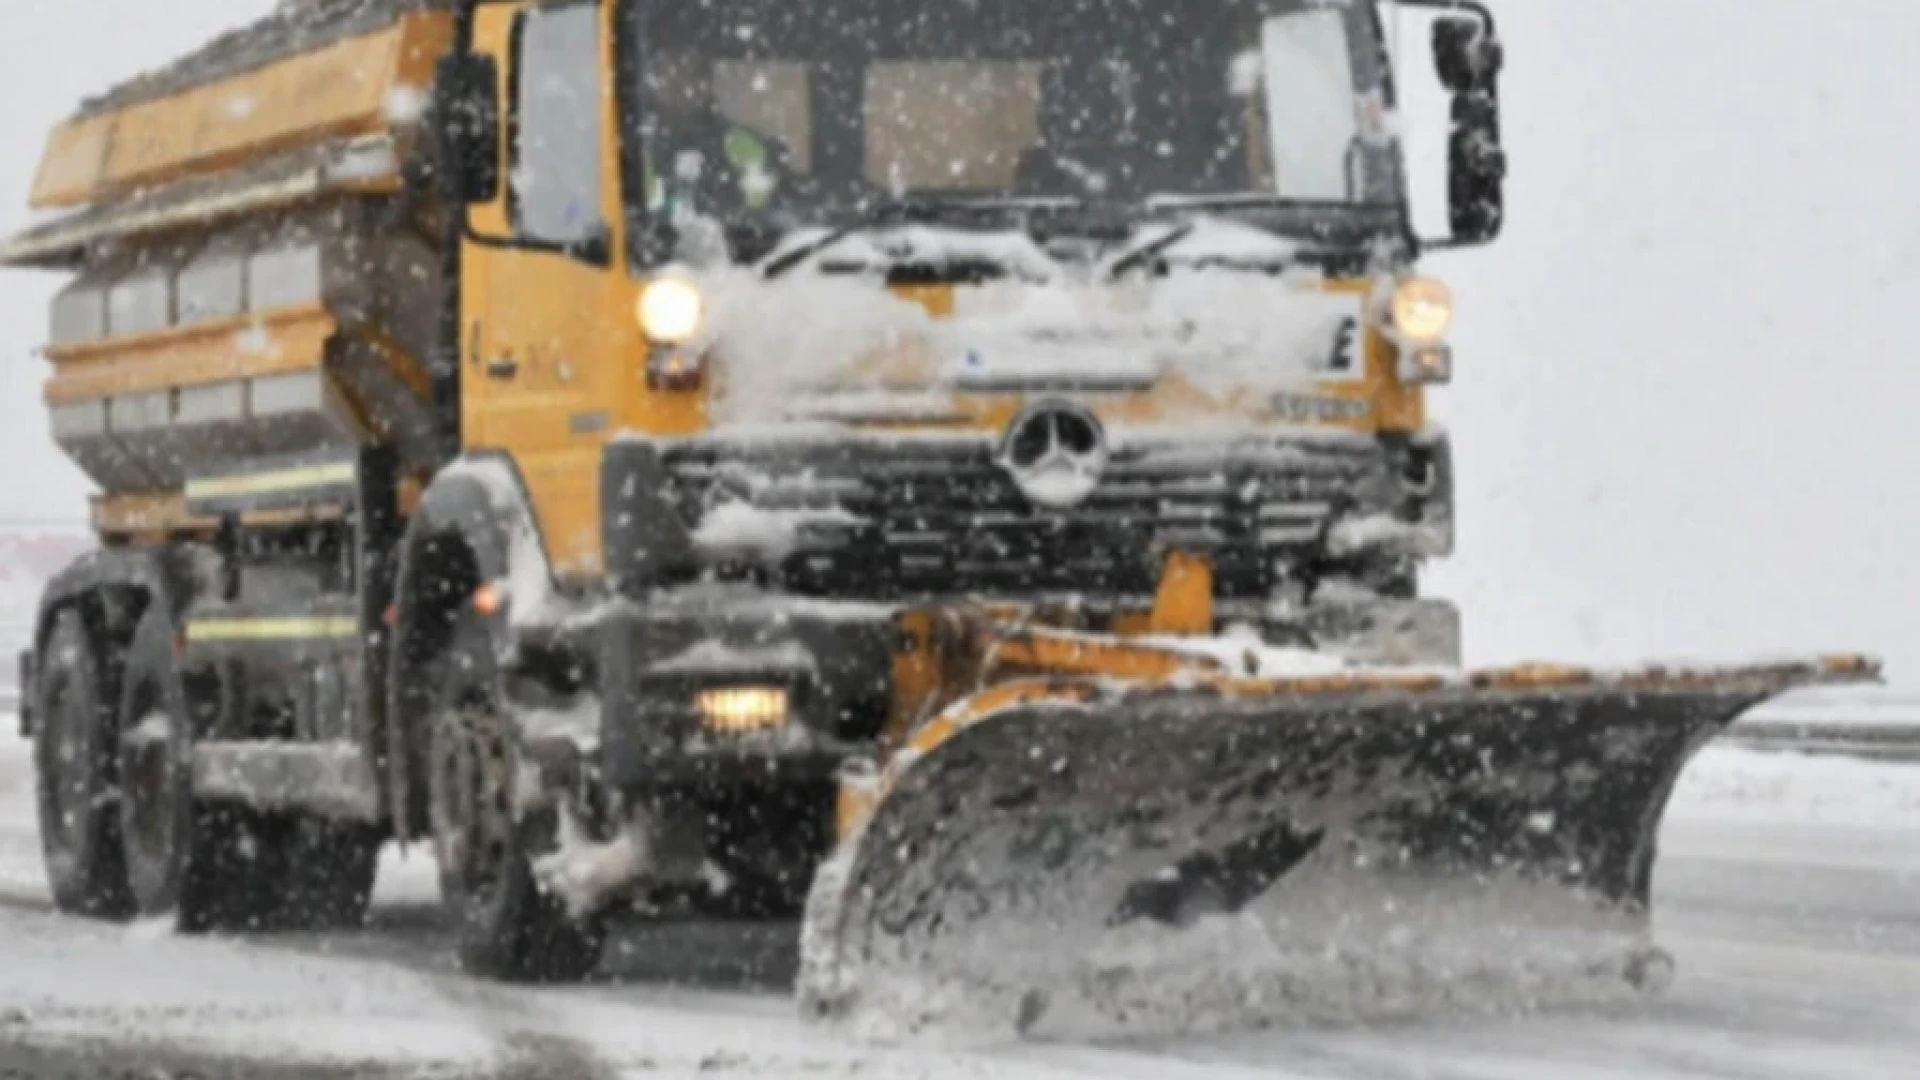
x=699 y=159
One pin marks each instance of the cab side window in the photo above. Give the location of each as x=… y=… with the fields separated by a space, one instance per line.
x=555 y=182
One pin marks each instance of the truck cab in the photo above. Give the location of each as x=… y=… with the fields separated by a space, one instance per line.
x=987 y=302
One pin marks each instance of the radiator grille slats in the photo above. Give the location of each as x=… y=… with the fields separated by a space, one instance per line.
x=936 y=516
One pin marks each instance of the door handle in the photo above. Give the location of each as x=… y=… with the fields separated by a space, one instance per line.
x=502 y=367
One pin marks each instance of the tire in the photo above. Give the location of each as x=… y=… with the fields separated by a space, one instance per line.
x=508 y=928
x=330 y=872
x=76 y=770
x=205 y=866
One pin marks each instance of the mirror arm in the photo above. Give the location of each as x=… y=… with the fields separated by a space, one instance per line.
x=1472 y=7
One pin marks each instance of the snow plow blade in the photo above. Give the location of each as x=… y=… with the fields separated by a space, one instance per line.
x=1088 y=861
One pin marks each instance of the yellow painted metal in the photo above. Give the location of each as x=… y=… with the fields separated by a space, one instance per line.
x=271 y=629
x=1184 y=602
x=291 y=339
x=1397 y=406
x=363 y=86
x=1033 y=652
x=855 y=799
x=267 y=483
x=936 y=300
x=992 y=700
x=1850 y=665
x=916 y=674
x=539 y=324
x=950 y=652
x=145 y=517
x=555 y=362
x=74 y=162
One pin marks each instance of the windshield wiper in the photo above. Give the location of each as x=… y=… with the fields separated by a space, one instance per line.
x=804 y=252
x=913 y=211
x=1141 y=254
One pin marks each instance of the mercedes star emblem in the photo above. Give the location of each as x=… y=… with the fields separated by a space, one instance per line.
x=1056 y=453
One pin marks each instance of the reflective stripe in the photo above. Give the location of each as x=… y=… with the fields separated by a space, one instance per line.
x=293 y=629
x=265 y=483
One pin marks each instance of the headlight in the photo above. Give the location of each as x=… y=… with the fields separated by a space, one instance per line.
x=1422 y=309
x=671 y=311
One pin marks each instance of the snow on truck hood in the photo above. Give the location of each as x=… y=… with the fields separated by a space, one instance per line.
x=810 y=346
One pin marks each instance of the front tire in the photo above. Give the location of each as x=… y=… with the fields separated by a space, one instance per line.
x=75 y=767
x=206 y=866
x=508 y=928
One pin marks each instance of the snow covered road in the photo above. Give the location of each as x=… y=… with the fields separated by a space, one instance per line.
x=1789 y=890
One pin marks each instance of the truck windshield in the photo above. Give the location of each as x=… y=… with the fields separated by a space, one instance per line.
x=752 y=107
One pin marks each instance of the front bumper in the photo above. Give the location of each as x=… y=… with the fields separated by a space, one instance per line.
x=836 y=663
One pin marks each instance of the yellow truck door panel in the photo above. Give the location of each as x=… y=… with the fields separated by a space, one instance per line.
x=549 y=329
x=541 y=378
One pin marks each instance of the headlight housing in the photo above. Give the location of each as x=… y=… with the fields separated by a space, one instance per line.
x=1422 y=310
x=671 y=311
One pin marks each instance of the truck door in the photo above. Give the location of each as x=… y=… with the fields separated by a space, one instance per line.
x=548 y=322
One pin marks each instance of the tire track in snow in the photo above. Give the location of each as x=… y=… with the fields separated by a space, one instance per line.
x=529 y=1037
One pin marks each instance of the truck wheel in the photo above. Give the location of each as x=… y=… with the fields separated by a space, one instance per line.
x=331 y=866
x=509 y=929
x=207 y=866
x=74 y=762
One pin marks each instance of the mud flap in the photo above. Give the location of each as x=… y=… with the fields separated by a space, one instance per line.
x=1180 y=860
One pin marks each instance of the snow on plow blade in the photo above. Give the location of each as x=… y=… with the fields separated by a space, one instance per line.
x=1157 y=860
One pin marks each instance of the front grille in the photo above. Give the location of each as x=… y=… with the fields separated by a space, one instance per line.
x=894 y=518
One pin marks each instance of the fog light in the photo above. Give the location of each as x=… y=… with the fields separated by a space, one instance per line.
x=1426 y=364
x=737 y=709
x=675 y=367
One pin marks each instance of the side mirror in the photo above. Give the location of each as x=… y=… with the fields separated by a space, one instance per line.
x=1468 y=58
x=1476 y=170
x=467 y=128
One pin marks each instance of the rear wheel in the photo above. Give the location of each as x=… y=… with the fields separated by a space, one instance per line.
x=75 y=766
x=207 y=866
x=508 y=928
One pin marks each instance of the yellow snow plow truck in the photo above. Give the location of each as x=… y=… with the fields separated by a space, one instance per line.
x=951 y=472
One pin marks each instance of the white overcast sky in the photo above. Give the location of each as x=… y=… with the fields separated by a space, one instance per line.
x=1686 y=418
